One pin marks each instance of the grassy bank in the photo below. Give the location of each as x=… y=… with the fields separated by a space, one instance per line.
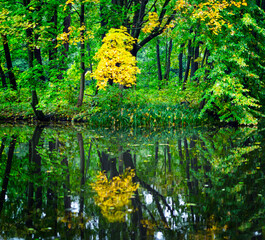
x=113 y=107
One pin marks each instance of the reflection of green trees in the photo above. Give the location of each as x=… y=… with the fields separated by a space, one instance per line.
x=192 y=182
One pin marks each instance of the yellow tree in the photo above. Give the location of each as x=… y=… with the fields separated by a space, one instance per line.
x=116 y=63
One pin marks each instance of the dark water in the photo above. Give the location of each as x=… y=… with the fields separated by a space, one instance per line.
x=179 y=184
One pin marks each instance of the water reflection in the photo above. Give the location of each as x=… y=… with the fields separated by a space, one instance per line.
x=181 y=184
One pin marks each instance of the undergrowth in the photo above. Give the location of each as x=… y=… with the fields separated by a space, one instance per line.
x=111 y=108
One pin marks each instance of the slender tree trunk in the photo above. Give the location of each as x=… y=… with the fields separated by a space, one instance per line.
x=30 y=47
x=53 y=51
x=159 y=71
x=11 y=75
x=166 y=76
x=194 y=65
x=188 y=65
x=66 y=30
x=37 y=50
x=82 y=49
x=38 y=113
x=204 y=57
x=103 y=21
x=180 y=58
x=3 y=77
x=29 y=35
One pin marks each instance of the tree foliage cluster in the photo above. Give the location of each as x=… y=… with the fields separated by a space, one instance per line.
x=62 y=56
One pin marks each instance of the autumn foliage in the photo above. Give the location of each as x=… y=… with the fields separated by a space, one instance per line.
x=116 y=62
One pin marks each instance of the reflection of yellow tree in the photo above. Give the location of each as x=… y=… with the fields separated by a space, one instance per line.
x=114 y=196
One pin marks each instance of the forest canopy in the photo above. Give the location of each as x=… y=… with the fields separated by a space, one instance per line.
x=131 y=62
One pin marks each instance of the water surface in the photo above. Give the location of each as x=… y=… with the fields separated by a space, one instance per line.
x=71 y=182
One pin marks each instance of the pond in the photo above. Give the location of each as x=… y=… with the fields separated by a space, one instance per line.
x=72 y=182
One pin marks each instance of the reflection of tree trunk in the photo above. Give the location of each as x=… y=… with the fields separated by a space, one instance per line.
x=169 y=157
x=113 y=168
x=52 y=196
x=88 y=159
x=2 y=147
x=154 y=192
x=180 y=151
x=3 y=77
x=82 y=183
x=35 y=157
x=67 y=192
x=66 y=186
x=30 y=190
x=120 y=161
x=104 y=160
x=7 y=171
x=137 y=215
x=206 y=167
x=187 y=164
x=165 y=159
x=194 y=166
x=156 y=155
x=128 y=161
x=188 y=174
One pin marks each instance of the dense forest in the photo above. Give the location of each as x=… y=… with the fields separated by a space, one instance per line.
x=131 y=62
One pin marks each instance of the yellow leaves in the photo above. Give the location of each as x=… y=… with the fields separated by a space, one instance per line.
x=211 y=13
x=68 y=2
x=153 y=22
x=73 y=36
x=182 y=6
x=115 y=60
x=114 y=196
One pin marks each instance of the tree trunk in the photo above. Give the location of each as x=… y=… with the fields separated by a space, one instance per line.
x=188 y=65
x=166 y=76
x=194 y=65
x=180 y=58
x=38 y=113
x=66 y=30
x=53 y=51
x=9 y=63
x=159 y=71
x=82 y=64
x=3 y=77
x=103 y=21
x=30 y=49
